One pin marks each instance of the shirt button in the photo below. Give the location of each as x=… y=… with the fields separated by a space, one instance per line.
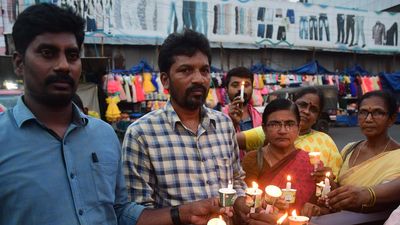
x=209 y=182
x=80 y=212
x=72 y=175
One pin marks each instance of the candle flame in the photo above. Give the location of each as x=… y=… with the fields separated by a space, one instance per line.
x=255 y=185
x=294 y=213
x=243 y=83
x=328 y=174
x=282 y=218
x=289 y=178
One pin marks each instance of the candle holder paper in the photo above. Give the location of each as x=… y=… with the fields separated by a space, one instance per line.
x=227 y=197
x=289 y=195
x=253 y=197
x=298 y=220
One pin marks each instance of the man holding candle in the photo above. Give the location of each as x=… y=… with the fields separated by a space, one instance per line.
x=239 y=86
x=57 y=165
x=185 y=151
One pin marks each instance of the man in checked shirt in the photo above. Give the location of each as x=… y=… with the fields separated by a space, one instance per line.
x=185 y=151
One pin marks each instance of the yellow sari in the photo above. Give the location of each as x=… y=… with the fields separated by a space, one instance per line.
x=379 y=169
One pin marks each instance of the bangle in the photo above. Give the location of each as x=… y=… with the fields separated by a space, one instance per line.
x=176 y=220
x=372 y=199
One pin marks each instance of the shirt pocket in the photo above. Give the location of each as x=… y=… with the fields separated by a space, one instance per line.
x=224 y=171
x=105 y=179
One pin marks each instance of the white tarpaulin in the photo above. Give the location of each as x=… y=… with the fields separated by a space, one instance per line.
x=234 y=23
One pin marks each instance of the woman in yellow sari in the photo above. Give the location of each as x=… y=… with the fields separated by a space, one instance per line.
x=370 y=167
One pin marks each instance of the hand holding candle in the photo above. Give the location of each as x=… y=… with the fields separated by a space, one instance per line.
x=242 y=91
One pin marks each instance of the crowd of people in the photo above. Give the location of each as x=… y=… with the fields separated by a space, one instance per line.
x=61 y=166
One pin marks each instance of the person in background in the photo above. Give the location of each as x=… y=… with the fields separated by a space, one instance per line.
x=184 y=151
x=271 y=164
x=369 y=179
x=310 y=102
x=244 y=116
x=57 y=165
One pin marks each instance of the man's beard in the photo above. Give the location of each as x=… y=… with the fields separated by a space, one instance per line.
x=56 y=100
x=187 y=101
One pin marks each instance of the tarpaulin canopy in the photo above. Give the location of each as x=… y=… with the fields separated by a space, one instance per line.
x=261 y=68
x=356 y=69
x=143 y=66
x=312 y=67
x=391 y=81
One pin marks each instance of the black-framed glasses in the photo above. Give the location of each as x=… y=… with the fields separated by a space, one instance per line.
x=277 y=125
x=376 y=114
x=304 y=105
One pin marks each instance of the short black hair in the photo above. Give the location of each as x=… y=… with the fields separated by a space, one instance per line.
x=46 y=18
x=387 y=97
x=280 y=104
x=187 y=43
x=311 y=90
x=241 y=71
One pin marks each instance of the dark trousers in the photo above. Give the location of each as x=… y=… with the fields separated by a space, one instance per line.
x=313 y=28
x=340 y=27
x=323 y=23
x=349 y=28
x=390 y=35
x=281 y=33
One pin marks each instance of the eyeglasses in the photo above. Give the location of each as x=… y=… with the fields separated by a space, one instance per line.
x=376 y=114
x=277 y=125
x=304 y=105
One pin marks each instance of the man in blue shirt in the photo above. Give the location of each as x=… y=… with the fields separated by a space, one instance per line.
x=57 y=165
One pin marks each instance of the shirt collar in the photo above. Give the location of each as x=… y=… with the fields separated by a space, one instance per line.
x=22 y=114
x=207 y=117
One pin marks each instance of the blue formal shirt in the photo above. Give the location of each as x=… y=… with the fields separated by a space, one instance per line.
x=77 y=179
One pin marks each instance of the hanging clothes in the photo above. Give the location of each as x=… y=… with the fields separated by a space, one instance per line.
x=113 y=113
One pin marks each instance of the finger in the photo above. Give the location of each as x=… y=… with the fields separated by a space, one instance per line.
x=262 y=217
x=337 y=191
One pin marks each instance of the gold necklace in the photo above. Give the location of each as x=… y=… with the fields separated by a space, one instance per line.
x=363 y=146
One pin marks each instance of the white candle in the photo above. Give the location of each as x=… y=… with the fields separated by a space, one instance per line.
x=255 y=195
x=242 y=91
x=288 y=183
x=216 y=221
x=281 y=219
x=327 y=182
x=230 y=185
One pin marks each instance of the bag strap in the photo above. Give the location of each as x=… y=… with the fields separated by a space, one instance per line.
x=260 y=159
x=351 y=149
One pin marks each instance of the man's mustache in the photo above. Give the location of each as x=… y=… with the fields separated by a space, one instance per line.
x=59 y=78
x=196 y=88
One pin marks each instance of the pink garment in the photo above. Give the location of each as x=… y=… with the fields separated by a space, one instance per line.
x=139 y=90
x=122 y=95
x=256 y=117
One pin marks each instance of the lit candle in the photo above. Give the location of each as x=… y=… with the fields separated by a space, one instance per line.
x=282 y=218
x=297 y=220
x=288 y=183
x=242 y=91
x=230 y=185
x=255 y=197
x=216 y=221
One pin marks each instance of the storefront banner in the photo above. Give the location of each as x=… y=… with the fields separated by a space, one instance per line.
x=231 y=23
